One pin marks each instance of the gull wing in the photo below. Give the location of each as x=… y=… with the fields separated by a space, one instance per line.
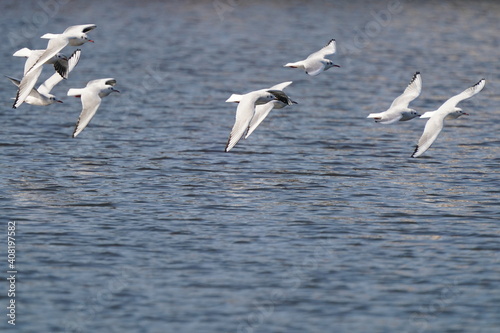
x=53 y=47
x=452 y=102
x=26 y=85
x=431 y=131
x=82 y=28
x=49 y=84
x=329 y=48
x=244 y=114
x=411 y=92
x=261 y=112
x=281 y=86
x=90 y=104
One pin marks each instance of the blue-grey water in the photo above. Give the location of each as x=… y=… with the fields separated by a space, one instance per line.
x=319 y=222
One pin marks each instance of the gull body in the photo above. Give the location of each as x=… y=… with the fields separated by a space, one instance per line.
x=91 y=97
x=317 y=62
x=246 y=111
x=399 y=109
x=436 y=120
x=454 y=115
x=262 y=110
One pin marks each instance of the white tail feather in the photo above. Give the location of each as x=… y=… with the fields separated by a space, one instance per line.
x=75 y=91
x=24 y=52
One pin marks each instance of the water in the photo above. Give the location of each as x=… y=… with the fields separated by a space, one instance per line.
x=319 y=222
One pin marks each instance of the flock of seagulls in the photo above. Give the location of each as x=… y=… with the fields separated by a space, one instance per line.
x=254 y=106
x=90 y=95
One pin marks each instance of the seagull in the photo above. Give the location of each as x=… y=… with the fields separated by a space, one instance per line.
x=59 y=60
x=454 y=115
x=42 y=95
x=262 y=111
x=91 y=99
x=75 y=35
x=26 y=85
x=436 y=121
x=316 y=62
x=246 y=111
x=399 y=111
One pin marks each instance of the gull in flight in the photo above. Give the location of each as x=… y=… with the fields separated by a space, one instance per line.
x=91 y=97
x=316 y=62
x=448 y=110
x=26 y=85
x=399 y=111
x=246 y=110
x=262 y=110
x=59 y=60
x=42 y=95
x=74 y=36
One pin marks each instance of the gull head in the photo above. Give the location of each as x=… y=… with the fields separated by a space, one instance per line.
x=456 y=113
x=414 y=113
x=79 y=40
x=329 y=64
x=61 y=56
x=282 y=97
x=105 y=92
x=409 y=114
x=53 y=99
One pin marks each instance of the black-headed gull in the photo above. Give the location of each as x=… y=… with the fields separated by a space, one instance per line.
x=91 y=99
x=454 y=115
x=399 y=110
x=26 y=85
x=263 y=110
x=42 y=95
x=316 y=62
x=436 y=121
x=246 y=110
x=59 y=60
x=75 y=35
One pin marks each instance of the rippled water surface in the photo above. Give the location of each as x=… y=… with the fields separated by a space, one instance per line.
x=318 y=222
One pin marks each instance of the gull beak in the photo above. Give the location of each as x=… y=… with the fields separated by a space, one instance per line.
x=59 y=101
x=118 y=91
x=90 y=40
x=336 y=65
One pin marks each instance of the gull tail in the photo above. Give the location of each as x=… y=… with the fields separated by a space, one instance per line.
x=24 y=52
x=14 y=81
x=297 y=64
x=77 y=92
x=50 y=36
x=234 y=98
x=375 y=116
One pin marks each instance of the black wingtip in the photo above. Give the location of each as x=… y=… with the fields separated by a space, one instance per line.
x=15 y=101
x=414 y=152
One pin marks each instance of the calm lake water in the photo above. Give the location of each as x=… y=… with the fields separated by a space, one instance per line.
x=319 y=222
